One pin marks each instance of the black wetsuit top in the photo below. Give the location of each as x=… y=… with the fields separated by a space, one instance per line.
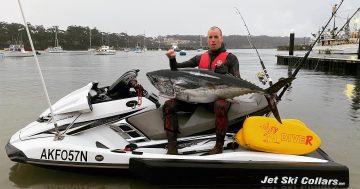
x=230 y=66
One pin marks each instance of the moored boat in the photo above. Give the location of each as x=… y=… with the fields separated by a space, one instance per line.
x=105 y=50
x=338 y=41
x=16 y=51
x=57 y=48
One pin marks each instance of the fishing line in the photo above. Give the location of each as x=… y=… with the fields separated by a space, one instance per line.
x=317 y=64
x=308 y=52
x=260 y=75
x=40 y=73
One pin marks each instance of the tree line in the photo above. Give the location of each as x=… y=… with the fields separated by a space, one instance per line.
x=78 y=38
x=73 y=38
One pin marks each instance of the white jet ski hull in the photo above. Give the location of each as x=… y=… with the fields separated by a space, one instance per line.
x=100 y=132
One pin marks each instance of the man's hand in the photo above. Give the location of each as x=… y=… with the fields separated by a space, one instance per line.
x=171 y=54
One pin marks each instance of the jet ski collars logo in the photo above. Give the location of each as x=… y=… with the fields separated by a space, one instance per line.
x=297 y=180
x=270 y=133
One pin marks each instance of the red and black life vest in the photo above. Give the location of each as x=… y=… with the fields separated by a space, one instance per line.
x=205 y=60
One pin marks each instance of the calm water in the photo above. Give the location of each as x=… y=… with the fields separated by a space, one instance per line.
x=329 y=104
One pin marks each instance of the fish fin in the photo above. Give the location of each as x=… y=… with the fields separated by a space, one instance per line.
x=181 y=84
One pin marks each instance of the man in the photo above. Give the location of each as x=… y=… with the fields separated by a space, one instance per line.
x=218 y=60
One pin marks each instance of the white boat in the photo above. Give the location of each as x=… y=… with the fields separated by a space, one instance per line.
x=138 y=48
x=100 y=129
x=16 y=51
x=105 y=50
x=336 y=46
x=57 y=48
x=338 y=41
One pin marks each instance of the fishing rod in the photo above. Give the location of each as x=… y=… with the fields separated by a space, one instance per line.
x=308 y=52
x=57 y=135
x=348 y=20
x=253 y=46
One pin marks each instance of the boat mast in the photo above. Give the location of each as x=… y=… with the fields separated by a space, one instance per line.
x=159 y=42
x=333 y=14
x=90 y=37
x=126 y=40
x=102 y=40
x=56 y=39
x=144 y=42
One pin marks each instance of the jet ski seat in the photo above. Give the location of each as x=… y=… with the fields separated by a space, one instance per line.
x=201 y=120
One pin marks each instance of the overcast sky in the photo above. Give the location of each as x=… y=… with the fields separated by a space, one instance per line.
x=187 y=17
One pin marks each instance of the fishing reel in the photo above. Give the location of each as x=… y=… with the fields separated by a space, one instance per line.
x=262 y=77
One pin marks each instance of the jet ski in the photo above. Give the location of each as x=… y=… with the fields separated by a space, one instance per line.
x=99 y=129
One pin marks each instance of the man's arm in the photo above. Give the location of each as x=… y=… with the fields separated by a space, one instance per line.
x=174 y=65
x=233 y=65
x=192 y=63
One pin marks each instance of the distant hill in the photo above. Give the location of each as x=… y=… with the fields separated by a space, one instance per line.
x=78 y=37
x=260 y=42
x=241 y=42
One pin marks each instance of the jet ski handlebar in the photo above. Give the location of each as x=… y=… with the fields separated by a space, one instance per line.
x=121 y=89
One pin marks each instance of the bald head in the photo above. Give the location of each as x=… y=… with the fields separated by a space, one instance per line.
x=216 y=28
x=214 y=38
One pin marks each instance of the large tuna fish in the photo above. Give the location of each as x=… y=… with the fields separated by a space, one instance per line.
x=205 y=86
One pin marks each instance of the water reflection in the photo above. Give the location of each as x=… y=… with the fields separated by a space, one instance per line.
x=355 y=98
x=349 y=91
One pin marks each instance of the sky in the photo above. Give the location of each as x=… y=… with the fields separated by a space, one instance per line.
x=185 y=17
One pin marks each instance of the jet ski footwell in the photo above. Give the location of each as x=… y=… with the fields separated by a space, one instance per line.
x=197 y=172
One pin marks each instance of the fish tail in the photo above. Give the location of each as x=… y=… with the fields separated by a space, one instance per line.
x=271 y=95
x=273 y=107
x=278 y=85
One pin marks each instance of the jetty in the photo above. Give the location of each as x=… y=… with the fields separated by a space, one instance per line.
x=346 y=65
x=340 y=64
